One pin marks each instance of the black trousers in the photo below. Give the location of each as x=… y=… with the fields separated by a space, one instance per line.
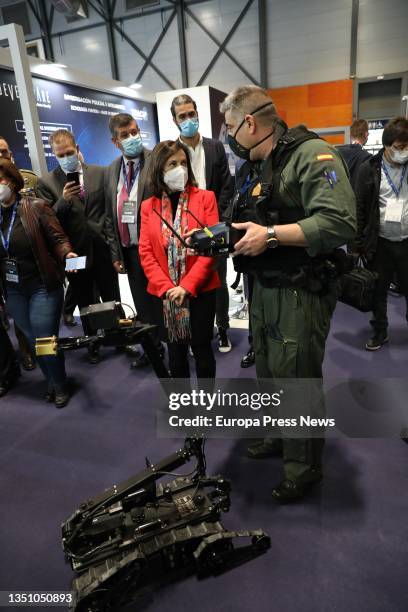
x=7 y=355
x=69 y=301
x=390 y=261
x=101 y=276
x=248 y=290
x=148 y=310
x=222 y=295
x=202 y=312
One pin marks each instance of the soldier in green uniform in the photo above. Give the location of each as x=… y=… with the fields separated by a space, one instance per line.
x=296 y=212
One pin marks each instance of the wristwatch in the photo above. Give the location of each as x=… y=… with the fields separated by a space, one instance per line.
x=271 y=242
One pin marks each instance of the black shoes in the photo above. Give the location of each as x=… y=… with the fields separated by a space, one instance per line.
x=141 y=361
x=27 y=362
x=377 y=341
x=60 y=397
x=7 y=383
x=94 y=356
x=69 y=320
x=289 y=491
x=248 y=360
x=130 y=349
x=224 y=344
x=262 y=450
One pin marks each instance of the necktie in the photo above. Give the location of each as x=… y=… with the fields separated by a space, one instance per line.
x=130 y=174
x=123 y=196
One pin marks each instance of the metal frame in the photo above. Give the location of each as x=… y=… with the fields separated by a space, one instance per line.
x=395 y=75
x=263 y=48
x=116 y=27
x=217 y=42
x=14 y=34
x=340 y=129
x=44 y=20
x=353 y=38
x=109 y=8
x=225 y=41
x=180 y=8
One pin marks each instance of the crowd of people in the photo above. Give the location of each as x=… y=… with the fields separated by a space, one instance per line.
x=295 y=198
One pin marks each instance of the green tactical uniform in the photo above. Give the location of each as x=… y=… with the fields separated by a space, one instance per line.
x=290 y=324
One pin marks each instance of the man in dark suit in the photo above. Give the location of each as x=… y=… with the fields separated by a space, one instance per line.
x=81 y=209
x=354 y=154
x=126 y=186
x=211 y=171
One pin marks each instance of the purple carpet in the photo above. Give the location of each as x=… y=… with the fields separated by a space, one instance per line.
x=344 y=549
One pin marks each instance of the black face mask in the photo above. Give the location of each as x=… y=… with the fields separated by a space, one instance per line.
x=239 y=149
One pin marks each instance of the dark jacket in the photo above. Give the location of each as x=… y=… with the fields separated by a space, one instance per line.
x=354 y=155
x=368 y=210
x=144 y=192
x=83 y=221
x=217 y=175
x=48 y=241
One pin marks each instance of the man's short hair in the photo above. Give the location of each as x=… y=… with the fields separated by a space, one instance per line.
x=179 y=100
x=395 y=130
x=119 y=121
x=359 y=129
x=245 y=100
x=159 y=156
x=59 y=135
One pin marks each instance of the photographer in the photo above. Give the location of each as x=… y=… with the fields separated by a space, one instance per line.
x=300 y=207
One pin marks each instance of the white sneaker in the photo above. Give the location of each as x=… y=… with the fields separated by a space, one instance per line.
x=224 y=344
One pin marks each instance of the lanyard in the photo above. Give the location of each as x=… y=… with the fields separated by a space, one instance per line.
x=6 y=240
x=135 y=175
x=391 y=182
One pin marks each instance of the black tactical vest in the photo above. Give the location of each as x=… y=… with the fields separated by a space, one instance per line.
x=263 y=204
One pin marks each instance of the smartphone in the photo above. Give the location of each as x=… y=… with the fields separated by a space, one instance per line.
x=73 y=176
x=75 y=263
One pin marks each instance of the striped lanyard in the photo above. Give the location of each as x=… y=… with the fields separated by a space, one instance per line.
x=6 y=239
x=391 y=182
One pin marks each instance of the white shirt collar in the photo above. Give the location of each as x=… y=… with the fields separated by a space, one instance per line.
x=189 y=146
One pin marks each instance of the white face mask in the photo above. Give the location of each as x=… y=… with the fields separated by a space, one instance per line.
x=399 y=157
x=176 y=178
x=5 y=193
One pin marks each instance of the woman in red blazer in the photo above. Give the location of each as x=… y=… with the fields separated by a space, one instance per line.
x=184 y=283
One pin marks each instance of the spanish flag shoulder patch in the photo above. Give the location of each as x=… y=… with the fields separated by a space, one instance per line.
x=324 y=157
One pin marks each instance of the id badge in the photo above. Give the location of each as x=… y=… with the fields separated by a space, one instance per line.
x=129 y=212
x=11 y=271
x=393 y=211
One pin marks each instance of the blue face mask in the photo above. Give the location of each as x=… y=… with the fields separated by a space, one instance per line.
x=69 y=163
x=132 y=146
x=189 y=127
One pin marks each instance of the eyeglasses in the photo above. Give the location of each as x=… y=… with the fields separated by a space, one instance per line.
x=5 y=153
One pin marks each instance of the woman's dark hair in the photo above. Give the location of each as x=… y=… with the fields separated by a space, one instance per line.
x=10 y=171
x=160 y=154
x=395 y=130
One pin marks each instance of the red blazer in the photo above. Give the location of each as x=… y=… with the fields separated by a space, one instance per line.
x=200 y=275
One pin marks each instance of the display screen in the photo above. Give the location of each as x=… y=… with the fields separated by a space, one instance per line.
x=83 y=111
